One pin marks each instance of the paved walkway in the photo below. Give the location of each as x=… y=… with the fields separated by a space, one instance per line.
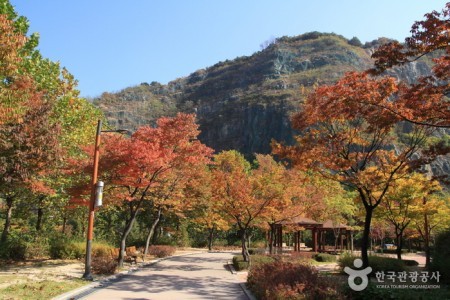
x=196 y=276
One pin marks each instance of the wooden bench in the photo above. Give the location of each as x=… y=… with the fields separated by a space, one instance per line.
x=131 y=254
x=115 y=253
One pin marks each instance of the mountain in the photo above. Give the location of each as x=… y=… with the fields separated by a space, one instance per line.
x=242 y=103
x=246 y=102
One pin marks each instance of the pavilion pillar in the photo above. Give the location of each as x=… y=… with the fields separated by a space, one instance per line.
x=351 y=241
x=314 y=239
x=321 y=246
x=274 y=236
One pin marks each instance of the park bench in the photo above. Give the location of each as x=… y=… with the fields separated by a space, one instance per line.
x=131 y=254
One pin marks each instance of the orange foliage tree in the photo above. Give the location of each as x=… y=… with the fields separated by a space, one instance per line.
x=206 y=215
x=425 y=102
x=244 y=195
x=132 y=166
x=352 y=143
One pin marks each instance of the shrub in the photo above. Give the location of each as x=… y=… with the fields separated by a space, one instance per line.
x=441 y=256
x=346 y=260
x=355 y=42
x=285 y=280
x=324 y=257
x=256 y=251
x=239 y=264
x=25 y=244
x=104 y=265
x=62 y=247
x=377 y=263
x=390 y=251
x=39 y=248
x=259 y=244
x=100 y=249
x=220 y=243
x=181 y=236
x=304 y=256
x=161 y=250
x=15 y=247
x=410 y=262
x=165 y=240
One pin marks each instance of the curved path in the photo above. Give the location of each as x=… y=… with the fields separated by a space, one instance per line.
x=196 y=276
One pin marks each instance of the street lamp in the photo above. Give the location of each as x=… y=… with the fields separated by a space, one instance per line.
x=96 y=199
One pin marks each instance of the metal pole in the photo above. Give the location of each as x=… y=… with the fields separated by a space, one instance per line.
x=87 y=268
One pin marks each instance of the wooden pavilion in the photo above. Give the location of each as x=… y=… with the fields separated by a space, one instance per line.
x=318 y=231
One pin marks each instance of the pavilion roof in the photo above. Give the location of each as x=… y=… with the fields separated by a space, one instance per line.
x=302 y=221
x=307 y=222
x=329 y=224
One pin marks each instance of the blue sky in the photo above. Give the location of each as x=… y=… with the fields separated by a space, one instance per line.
x=109 y=45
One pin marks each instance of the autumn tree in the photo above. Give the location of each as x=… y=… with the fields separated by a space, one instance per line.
x=132 y=166
x=206 y=214
x=432 y=217
x=167 y=196
x=302 y=194
x=33 y=123
x=245 y=195
x=352 y=143
x=28 y=143
x=426 y=101
x=339 y=207
x=400 y=205
x=271 y=184
x=232 y=192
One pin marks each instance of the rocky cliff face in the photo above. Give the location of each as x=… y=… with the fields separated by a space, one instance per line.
x=244 y=103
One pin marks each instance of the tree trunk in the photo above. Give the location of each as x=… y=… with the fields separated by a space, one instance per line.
x=5 y=233
x=427 y=242
x=40 y=213
x=210 y=238
x=366 y=236
x=399 y=240
x=152 y=231
x=245 y=253
x=64 y=224
x=126 y=232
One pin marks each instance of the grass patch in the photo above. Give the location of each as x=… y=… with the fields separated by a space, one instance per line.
x=39 y=290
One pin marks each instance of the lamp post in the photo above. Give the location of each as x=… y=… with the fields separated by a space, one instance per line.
x=87 y=267
x=95 y=201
